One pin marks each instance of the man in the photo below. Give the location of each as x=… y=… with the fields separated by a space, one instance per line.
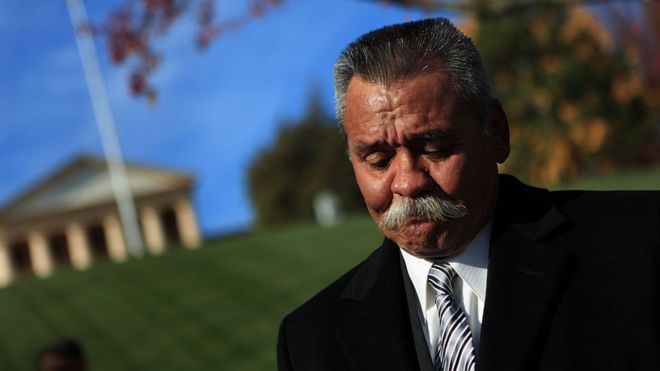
x=477 y=271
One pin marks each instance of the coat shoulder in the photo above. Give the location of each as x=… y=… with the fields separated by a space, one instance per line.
x=522 y=203
x=321 y=304
x=620 y=209
x=325 y=303
x=308 y=335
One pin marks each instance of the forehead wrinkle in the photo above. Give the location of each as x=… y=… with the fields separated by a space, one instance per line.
x=413 y=97
x=386 y=124
x=389 y=104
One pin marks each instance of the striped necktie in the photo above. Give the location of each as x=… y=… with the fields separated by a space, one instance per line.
x=455 y=349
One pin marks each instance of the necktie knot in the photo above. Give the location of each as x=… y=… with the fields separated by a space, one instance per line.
x=440 y=278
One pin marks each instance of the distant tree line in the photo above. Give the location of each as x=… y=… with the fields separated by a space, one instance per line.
x=307 y=157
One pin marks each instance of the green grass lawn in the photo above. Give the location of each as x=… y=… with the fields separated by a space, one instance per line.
x=214 y=308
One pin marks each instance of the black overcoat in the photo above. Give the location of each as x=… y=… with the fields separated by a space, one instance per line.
x=573 y=284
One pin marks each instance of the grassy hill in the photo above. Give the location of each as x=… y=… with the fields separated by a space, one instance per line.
x=214 y=308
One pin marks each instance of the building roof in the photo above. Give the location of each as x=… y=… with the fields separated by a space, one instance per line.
x=85 y=182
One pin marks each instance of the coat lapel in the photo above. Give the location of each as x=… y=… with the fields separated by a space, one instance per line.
x=526 y=275
x=376 y=332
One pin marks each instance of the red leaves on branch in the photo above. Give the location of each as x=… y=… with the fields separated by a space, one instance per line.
x=129 y=32
x=132 y=29
x=209 y=30
x=137 y=82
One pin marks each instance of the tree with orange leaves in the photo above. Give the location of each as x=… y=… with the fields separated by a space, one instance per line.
x=577 y=103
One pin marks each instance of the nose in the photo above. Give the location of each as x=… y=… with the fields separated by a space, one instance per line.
x=411 y=178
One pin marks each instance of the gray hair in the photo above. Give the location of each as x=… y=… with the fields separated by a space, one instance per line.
x=401 y=51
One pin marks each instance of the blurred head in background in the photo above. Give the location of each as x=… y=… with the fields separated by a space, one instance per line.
x=62 y=355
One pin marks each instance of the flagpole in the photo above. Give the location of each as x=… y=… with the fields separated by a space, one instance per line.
x=106 y=126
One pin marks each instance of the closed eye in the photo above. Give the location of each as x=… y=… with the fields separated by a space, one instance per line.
x=378 y=161
x=437 y=152
x=436 y=144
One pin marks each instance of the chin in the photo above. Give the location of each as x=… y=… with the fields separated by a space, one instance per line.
x=428 y=252
x=422 y=242
x=427 y=240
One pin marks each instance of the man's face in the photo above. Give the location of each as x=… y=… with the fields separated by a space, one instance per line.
x=417 y=138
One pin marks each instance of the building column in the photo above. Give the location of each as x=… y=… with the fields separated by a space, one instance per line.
x=78 y=248
x=187 y=223
x=42 y=263
x=114 y=238
x=6 y=272
x=153 y=231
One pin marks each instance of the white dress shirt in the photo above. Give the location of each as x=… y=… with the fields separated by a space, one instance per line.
x=469 y=285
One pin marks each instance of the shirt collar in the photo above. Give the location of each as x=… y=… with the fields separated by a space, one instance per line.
x=471 y=265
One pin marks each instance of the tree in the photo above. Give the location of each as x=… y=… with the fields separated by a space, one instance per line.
x=494 y=8
x=569 y=92
x=580 y=98
x=306 y=158
x=131 y=31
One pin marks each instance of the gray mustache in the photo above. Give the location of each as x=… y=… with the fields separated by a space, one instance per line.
x=428 y=207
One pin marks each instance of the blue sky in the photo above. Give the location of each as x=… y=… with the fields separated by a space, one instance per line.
x=216 y=108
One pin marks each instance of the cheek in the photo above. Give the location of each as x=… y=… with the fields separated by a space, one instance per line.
x=375 y=189
x=448 y=175
x=466 y=178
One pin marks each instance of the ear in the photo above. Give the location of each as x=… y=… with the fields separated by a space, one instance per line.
x=498 y=131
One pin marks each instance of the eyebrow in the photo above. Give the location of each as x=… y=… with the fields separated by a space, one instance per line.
x=434 y=136
x=363 y=149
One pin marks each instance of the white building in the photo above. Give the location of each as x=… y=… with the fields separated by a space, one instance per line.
x=70 y=218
